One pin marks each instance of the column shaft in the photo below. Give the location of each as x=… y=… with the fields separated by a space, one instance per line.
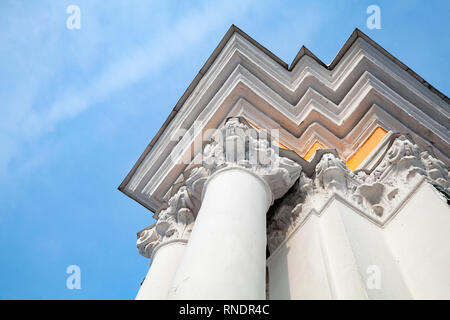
x=162 y=270
x=226 y=254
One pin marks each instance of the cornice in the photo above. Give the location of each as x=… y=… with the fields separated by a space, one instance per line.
x=240 y=68
x=364 y=98
x=346 y=144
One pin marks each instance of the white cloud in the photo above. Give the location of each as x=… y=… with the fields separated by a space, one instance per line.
x=26 y=121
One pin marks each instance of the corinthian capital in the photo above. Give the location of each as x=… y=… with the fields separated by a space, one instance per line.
x=174 y=223
x=176 y=220
x=402 y=159
x=148 y=239
x=237 y=144
x=436 y=170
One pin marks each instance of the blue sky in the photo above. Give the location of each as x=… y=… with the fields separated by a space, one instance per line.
x=78 y=107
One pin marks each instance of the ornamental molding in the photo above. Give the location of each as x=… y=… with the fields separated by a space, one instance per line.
x=176 y=220
x=236 y=144
x=336 y=98
x=240 y=145
x=346 y=144
x=377 y=195
x=149 y=184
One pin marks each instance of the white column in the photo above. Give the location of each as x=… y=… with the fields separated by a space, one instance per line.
x=226 y=254
x=163 y=265
x=164 y=243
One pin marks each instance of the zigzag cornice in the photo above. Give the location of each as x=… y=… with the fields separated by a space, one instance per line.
x=346 y=146
x=332 y=82
x=153 y=185
x=313 y=100
x=317 y=103
x=312 y=110
x=291 y=81
x=227 y=60
x=305 y=74
x=336 y=83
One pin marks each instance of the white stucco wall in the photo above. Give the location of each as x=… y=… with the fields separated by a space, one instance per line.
x=373 y=255
x=334 y=255
x=297 y=269
x=419 y=237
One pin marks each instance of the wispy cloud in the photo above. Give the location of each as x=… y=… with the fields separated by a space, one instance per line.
x=30 y=116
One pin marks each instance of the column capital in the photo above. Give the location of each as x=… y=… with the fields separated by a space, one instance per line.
x=377 y=194
x=402 y=160
x=176 y=219
x=237 y=144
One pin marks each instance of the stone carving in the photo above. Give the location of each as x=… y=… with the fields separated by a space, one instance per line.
x=436 y=170
x=402 y=159
x=332 y=173
x=282 y=220
x=147 y=241
x=284 y=213
x=236 y=145
x=196 y=180
x=240 y=145
x=176 y=220
x=376 y=194
x=375 y=197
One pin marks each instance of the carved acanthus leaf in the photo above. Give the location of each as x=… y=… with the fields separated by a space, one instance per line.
x=147 y=240
x=377 y=194
x=176 y=220
x=436 y=170
x=239 y=145
x=402 y=160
